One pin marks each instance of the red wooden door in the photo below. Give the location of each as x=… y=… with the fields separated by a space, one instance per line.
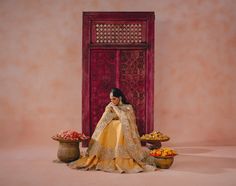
x=103 y=77
x=118 y=51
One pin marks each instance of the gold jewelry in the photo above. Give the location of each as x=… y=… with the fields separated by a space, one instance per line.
x=120 y=98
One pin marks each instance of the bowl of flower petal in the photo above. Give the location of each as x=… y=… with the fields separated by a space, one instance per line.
x=164 y=157
x=68 y=149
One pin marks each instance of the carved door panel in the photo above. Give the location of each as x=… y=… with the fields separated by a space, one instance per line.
x=118 y=51
x=132 y=82
x=102 y=78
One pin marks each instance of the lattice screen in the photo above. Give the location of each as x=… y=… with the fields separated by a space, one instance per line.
x=118 y=33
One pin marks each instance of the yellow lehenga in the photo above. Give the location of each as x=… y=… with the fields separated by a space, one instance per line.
x=115 y=144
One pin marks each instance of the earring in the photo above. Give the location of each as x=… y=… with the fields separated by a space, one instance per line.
x=120 y=98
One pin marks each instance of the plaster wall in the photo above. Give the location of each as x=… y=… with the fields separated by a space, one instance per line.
x=41 y=68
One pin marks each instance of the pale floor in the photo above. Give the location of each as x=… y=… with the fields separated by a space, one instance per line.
x=200 y=166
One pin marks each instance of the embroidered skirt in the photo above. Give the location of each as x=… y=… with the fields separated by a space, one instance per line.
x=108 y=153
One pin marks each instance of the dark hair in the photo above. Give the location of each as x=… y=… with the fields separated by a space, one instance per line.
x=118 y=93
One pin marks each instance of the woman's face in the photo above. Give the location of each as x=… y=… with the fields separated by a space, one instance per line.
x=114 y=100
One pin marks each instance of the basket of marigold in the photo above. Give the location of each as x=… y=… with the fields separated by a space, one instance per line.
x=164 y=157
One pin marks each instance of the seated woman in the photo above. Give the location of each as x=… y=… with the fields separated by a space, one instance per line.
x=115 y=145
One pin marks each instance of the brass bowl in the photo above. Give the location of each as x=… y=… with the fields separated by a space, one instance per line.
x=153 y=141
x=164 y=162
x=153 y=144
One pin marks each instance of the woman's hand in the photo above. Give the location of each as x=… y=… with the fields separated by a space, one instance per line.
x=110 y=107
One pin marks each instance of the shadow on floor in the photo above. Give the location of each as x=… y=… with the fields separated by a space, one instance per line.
x=203 y=164
x=190 y=150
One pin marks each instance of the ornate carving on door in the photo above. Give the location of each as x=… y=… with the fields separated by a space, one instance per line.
x=118 y=51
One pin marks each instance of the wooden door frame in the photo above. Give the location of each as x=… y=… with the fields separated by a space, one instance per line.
x=88 y=17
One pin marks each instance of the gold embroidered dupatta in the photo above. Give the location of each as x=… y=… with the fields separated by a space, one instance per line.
x=125 y=154
x=128 y=124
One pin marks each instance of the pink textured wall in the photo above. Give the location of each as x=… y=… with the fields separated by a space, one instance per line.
x=40 y=68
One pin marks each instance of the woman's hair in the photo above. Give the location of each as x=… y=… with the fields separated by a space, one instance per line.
x=119 y=94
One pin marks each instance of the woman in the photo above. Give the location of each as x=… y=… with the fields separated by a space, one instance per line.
x=115 y=144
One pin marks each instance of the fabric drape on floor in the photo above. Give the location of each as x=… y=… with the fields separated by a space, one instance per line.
x=115 y=144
